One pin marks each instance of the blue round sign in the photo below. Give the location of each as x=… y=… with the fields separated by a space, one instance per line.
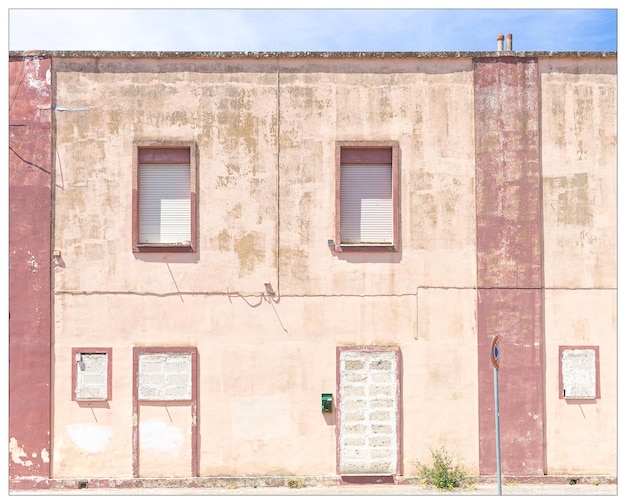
x=495 y=352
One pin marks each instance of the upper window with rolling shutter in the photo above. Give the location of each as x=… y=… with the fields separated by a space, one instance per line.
x=164 y=199
x=367 y=197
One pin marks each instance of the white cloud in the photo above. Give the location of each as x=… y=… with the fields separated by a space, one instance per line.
x=310 y=29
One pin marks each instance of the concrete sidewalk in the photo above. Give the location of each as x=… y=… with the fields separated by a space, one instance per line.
x=346 y=490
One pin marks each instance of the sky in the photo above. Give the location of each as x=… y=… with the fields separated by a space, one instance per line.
x=397 y=27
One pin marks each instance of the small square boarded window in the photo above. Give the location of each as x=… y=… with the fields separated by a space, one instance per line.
x=91 y=374
x=579 y=369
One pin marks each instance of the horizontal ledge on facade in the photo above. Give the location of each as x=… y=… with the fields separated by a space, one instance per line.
x=311 y=54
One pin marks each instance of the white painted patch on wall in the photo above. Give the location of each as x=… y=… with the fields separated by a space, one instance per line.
x=33 y=80
x=260 y=417
x=160 y=437
x=18 y=453
x=89 y=437
x=45 y=456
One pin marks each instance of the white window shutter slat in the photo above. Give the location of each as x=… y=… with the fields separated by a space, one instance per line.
x=366 y=204
x=164 y=203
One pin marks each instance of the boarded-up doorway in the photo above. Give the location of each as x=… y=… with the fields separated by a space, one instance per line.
x=164 y=412
x=368 y=413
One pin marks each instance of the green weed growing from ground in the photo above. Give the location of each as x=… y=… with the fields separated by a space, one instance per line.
x=443 y=474
x=295 y=483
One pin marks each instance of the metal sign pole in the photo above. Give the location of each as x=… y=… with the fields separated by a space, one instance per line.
x=495 y=391
x=495 y=360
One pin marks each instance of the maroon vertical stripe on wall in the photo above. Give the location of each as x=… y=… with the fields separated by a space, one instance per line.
x=29 y=268
x=509 y=262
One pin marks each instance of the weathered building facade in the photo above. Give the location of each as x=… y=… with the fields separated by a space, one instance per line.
x=295 y=264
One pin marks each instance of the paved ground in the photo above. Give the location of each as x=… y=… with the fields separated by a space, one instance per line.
x=346 y=490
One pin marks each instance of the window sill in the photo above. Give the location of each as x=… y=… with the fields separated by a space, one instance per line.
x=163 y=248
x=343 y=248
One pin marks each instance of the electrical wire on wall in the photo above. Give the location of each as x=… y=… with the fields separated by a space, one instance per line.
x=271 y=295
x=416 y=313
x=278 y=177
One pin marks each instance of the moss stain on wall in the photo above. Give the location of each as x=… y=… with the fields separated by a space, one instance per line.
x=572 y=199
x=250 y=250
x=295 y=261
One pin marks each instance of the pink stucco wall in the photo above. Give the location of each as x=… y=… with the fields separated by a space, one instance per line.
x=488 y=213
x=579 y=160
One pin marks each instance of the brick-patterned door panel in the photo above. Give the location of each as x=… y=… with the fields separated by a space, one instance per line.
x=368 y=411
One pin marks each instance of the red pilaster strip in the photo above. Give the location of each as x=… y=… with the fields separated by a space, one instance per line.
x=30 y=168
x=509 y=261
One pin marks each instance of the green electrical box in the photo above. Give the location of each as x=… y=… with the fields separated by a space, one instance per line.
x=327 y=403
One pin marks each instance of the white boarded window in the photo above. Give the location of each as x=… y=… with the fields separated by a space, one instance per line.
x=164 y=203
x=579 y=373
x=91 y=374
x=165 y=376
x=366 y=204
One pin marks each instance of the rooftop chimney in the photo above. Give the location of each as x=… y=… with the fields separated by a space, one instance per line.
x=500 y=42
x=509 y=42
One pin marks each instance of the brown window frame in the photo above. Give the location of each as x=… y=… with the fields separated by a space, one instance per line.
x=365 y=152
x=165 y=152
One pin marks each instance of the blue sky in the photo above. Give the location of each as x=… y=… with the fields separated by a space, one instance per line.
x=398 y=28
